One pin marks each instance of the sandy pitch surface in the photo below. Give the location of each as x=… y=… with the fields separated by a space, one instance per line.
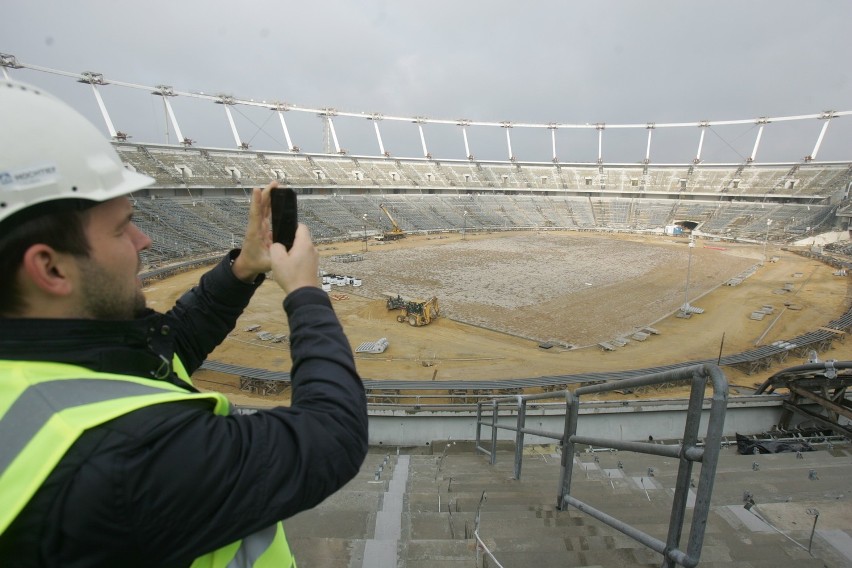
x=501 y=295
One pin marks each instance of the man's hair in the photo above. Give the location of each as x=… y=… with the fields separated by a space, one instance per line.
x=63 y=229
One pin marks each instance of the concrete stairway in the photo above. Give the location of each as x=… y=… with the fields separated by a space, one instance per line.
x=421 y=512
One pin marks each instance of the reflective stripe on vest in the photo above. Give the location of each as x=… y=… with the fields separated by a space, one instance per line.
x=45 y=407
x=266 y=548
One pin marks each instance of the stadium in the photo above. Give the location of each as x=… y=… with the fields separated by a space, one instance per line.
x=680 y=294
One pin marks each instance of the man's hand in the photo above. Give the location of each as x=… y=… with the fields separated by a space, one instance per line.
x=254 y=258
x=297 y=267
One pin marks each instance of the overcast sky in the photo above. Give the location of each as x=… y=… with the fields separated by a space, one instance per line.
x=602 y=61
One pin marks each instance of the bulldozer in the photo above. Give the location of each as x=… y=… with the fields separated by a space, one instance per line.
x=395 y=233
x=416 y=312
x=419 y=313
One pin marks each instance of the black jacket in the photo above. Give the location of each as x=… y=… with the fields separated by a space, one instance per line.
x=165 y=484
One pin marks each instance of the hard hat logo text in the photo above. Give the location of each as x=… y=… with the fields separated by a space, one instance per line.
x=29 y=177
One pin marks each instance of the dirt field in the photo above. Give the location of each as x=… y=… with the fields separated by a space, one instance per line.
x=501 y=295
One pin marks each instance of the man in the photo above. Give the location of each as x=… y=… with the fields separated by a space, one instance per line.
x=108 y=455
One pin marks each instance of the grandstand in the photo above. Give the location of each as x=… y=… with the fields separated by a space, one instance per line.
x=200 y=197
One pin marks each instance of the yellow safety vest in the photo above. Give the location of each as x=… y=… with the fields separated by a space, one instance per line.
x=45 y=407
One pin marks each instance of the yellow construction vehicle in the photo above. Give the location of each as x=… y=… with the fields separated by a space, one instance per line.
x=395 y=302
x=393 y=234
x=419 y=313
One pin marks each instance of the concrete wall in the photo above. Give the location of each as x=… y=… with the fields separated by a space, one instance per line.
x=628 y=420
x=823 y=238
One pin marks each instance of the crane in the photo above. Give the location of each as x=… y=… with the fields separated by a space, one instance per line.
x=393 y=234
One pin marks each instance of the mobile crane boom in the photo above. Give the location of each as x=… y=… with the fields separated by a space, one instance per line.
x=393 y=234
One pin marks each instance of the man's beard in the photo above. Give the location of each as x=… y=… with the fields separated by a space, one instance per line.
x=105 y=299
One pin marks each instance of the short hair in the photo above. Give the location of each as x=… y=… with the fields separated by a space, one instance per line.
x=61 y=226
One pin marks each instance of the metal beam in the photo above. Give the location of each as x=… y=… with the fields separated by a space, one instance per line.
x=824 y=402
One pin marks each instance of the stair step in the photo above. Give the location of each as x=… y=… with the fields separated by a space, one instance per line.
x=431 y=553
x=324 y=552
x=332 y=523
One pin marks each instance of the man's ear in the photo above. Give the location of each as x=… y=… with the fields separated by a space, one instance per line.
x=48 y=270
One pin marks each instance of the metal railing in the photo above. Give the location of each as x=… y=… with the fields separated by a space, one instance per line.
x=687 y=452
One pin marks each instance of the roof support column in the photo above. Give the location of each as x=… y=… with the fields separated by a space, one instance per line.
x=97 y=79
x=333 y=134
x=227 y=101
x=467 y=153
x=600 y=127
x=650 y=128
x=166 y=91
x=104 y=112
x=280 y=109
x=552 y=128
x=326 y=115
x=419 y=122
x=826 y=116
x=762 y=122
x=376 y=118
x=703 y=126
x=508 y=127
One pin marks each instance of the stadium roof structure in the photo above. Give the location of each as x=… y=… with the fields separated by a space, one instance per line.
x=462 y=127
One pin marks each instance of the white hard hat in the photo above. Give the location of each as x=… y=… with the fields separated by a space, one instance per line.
x=49 y=151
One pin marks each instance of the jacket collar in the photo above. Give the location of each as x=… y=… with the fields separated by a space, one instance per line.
x=138 y=347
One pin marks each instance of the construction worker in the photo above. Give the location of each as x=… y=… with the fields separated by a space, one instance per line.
x=109 y=456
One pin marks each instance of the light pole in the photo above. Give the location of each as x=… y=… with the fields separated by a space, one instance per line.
x=685 y=308
x=364 y=218
x=766 y=239
x=464 y=225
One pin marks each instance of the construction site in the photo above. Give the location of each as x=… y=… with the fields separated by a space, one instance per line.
x=569 y=359
x=503 y=307
x=503 y=296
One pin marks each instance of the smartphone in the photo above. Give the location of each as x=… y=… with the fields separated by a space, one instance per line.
x=284 y=216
